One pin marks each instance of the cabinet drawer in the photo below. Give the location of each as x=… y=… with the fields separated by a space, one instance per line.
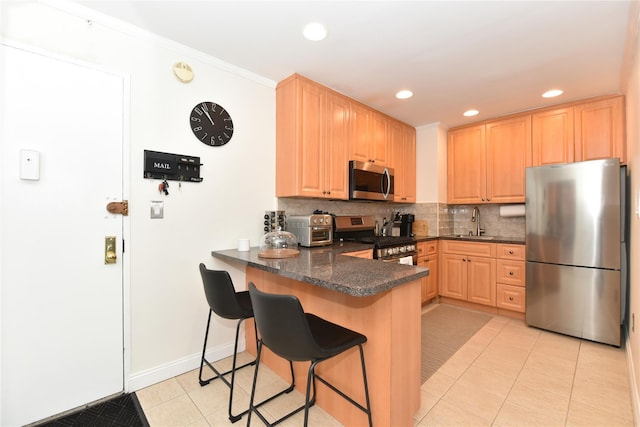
x=510 y=297
x=468 y=248
x=427 y=248
x=507 y=251
x=510 y=272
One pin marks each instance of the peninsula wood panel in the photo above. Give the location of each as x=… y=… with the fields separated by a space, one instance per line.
x=391 y=322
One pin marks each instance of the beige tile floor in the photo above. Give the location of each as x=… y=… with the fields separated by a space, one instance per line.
x=507 y=374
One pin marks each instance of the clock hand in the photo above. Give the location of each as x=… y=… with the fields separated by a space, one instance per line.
x=210 y=119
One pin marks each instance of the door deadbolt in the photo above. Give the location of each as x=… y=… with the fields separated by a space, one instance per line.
x=110 y=256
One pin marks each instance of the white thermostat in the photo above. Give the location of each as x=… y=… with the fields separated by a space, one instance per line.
x=30 y=165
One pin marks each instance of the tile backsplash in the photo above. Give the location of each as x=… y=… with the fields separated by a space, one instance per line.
x=443 y=219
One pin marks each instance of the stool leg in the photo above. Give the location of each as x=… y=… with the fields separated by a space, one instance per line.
x=253 y=407
x=204 y=349
x=234 y=418
x=308 y=403
x=253 y=386
x=366 y=387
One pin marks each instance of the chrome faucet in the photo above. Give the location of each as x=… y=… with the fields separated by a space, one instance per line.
x=475 y=217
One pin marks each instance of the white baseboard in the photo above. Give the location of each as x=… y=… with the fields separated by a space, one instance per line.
x=635 y=402
x=140 y=380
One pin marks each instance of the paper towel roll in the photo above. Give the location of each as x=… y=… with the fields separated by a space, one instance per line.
x=512 y=210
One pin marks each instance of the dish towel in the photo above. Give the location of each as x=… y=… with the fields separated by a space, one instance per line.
x=408 y=260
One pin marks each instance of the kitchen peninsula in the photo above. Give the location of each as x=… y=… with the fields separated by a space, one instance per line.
x=379 y=300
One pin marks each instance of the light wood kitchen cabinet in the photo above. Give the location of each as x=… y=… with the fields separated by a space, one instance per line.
x=552 y=136
x=369 y=136
x=403 y=160
x=580 y=131
x=466 y=165
x=428 y=257
x=599 y=129
x=511 y=277
x=312 y=135
x=366 y=254
x=508 y=156
x=468 y=271
x=487 y=162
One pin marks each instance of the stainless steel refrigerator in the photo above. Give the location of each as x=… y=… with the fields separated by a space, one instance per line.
x=576 y=250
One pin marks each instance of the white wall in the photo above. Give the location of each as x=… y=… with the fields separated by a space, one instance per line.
x=431 y=164
x=632 y=93
x=167 y=304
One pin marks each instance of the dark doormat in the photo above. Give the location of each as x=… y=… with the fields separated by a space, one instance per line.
x=123 y=410
x=445 y=329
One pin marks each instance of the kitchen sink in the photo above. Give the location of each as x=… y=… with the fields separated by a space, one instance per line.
x=466 y=236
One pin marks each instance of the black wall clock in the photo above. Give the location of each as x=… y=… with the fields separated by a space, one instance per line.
x=211 y=123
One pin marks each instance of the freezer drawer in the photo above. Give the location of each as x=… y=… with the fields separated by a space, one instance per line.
x=577 y=301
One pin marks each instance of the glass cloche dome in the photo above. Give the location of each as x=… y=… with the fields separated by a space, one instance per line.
x=278 y=244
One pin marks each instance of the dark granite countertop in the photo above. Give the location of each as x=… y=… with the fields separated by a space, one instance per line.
x=328 y=268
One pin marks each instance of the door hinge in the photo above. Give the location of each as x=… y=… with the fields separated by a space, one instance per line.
x=119 y=207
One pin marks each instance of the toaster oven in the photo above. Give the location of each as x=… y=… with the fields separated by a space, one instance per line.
x=311 y=230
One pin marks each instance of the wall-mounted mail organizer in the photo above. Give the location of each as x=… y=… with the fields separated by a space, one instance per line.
x=173 y=167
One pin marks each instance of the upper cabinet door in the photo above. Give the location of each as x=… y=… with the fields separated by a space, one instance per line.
x=599 y=130
x=311 y=139
x=379 y=145
x=552 y=136
x=360 y=139
x=337 y=147
x=369 y=139
x=508 y=155
x=466 y=165
x=402 y=139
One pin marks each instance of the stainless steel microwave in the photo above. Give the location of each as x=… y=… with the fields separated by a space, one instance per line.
x=368 y=181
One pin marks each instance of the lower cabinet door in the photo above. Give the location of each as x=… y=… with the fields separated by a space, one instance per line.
x=429 y=283
x=481 y=273
x=453 y=276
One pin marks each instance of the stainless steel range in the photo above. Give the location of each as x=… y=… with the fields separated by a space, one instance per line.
x=354 y=228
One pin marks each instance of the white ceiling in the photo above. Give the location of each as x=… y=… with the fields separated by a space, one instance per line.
x=497 y=57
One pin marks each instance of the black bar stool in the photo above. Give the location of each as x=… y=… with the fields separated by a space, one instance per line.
x=227 y=303
x=298 y=336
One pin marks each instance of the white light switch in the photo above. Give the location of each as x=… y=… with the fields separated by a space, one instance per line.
x=157 y=209
x=30 y=165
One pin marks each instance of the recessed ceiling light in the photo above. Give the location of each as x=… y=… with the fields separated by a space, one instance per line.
x=314 y=31
x=552 y=93
x=470 y=113
x=404 y=94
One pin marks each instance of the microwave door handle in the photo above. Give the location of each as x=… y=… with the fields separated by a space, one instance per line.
x=386 y=177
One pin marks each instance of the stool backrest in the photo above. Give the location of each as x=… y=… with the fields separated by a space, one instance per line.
x=221 y=295
x=283 y=325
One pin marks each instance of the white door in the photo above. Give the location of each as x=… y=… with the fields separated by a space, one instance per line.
x=62 y=306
